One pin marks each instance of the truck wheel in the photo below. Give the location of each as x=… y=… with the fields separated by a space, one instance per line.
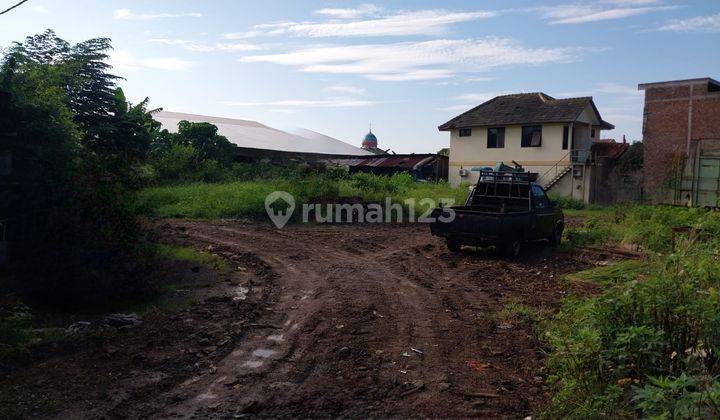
x=512 y=248
x=453 y=245
x=556 y=237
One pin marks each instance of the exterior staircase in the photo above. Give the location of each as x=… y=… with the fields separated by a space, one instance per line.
x=547 y=184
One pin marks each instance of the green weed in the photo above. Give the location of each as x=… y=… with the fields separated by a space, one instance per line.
x=180 y=253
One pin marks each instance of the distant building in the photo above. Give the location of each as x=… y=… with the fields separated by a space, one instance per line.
x=553 y=137
x=681 y=138
x=370 y=143
x=254 y=135
x=257 y=142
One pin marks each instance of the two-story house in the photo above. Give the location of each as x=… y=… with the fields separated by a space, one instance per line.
x=553 y=137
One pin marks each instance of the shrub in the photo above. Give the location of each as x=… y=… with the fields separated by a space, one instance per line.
x=14 y=329
x=683 y=396
x=175 y=163
x=568 y=203
x=666 y=323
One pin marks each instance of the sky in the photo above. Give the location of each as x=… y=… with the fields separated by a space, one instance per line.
x=403 y=66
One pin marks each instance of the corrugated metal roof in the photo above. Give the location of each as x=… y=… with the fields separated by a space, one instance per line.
x=394 y=161
x=387 y=161
x=253 y=134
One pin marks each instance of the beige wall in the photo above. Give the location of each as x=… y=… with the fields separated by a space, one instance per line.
x=578 y=188
x=467 y=152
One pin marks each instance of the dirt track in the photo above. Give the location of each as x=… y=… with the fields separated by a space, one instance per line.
x=373 y=320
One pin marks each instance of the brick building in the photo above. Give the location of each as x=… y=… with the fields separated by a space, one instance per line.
x=681 y=136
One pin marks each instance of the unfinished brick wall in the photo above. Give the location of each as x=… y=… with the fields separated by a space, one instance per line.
x=665 y=132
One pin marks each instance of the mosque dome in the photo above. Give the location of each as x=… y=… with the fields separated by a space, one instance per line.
x=370 y=141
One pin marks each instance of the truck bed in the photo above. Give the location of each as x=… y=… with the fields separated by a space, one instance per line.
x=476 y=224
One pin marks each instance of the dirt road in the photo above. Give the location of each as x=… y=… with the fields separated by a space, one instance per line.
x=374 y=320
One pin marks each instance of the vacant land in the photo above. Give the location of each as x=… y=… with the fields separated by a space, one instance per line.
x=318 y=321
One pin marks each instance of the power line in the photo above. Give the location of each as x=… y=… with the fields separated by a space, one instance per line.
x=12 y=7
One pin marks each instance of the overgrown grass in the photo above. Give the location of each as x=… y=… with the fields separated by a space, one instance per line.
x=613 y=274
x=647 y=346
x=649 y=227
x=247 y=199
x=180 y=253
x=515 y=311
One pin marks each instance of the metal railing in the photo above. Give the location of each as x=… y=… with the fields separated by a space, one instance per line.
x=579 y=155
x=572 y=157
x=554 y=171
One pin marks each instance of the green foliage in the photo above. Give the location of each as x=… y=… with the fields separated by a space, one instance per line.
x=205 y=139
x=14 y=329
x=381 y=185
x=195 y=153
x=568 y=203
x=180 y=253
x=632 y=160
x=649 y=227
x=515 y=311
x=77 y=154
x=200 y=200
x=683 y=396
x=615 y=273
x=247 y=198
x=663 y=320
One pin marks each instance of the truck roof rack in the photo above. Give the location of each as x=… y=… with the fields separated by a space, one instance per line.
x=508 y=177
x=513 y=186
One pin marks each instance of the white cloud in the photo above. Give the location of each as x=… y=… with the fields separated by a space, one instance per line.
x=479 y=79
x=584 y=13
x=127 y=14
x=317 y=103
x=39 y=8
x=124 y=60
x=200 y=47
x=349 y=13
x=424 y=60
x=424 y=74
x=618 y=90
x=695 y=24
x=422 y=22
x=477 y=98
x=470 y=100
x=345 y=89
x=268 y=29
x=631 y=2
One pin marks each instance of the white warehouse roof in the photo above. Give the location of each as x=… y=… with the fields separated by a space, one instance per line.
x=252 y=134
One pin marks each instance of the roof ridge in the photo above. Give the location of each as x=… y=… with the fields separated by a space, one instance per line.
x=575 y=97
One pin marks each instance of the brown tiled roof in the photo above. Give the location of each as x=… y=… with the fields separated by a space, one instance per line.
x=522 y=108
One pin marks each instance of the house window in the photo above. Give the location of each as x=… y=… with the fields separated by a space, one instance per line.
x=531 y=136
x=496 y=138
x=566 y=137
x=465 y=132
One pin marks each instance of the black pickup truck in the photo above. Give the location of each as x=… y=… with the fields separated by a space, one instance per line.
x=503 y=209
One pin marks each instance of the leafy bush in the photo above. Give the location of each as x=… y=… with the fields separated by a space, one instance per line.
x=14 y=329
x=683 y=396
x=567 y=203
x=175 y=162
x=666 y=323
